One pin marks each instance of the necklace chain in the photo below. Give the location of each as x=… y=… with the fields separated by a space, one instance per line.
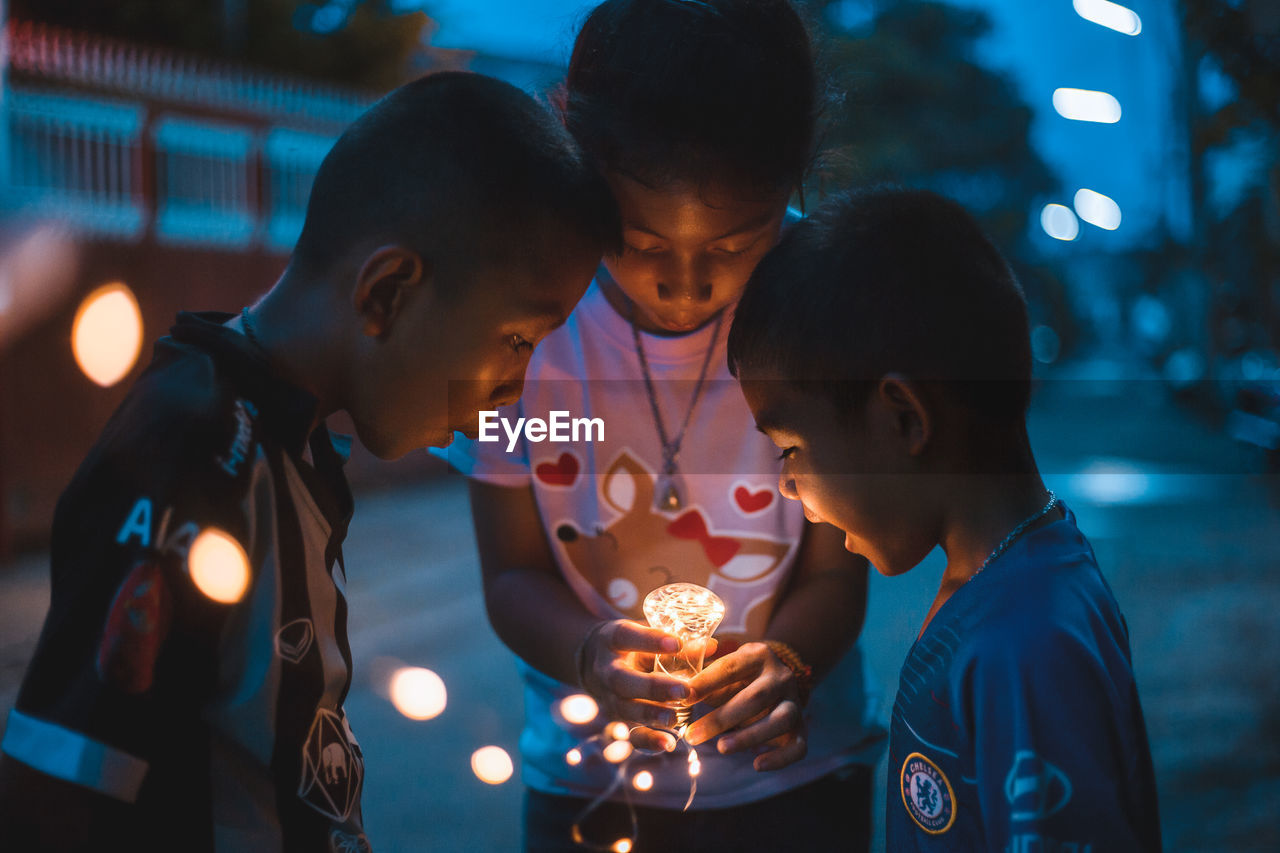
x=671 y=446
x=1016 y=532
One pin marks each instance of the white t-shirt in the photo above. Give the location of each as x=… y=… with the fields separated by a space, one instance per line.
x=598 y=499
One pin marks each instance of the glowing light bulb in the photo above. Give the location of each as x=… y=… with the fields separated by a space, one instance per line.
x=692 y=613
x=618 y=731
x=617 y=752
x=492 y=765
x=643 y=780
x=622 y=845
x=418 y=693
x=106 y=335
x=573 y=757
x=579 y=709
x=218 y=566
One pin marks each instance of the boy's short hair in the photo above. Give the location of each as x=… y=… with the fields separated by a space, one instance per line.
x=888 y=280
x=458 y=166
x=669 y=91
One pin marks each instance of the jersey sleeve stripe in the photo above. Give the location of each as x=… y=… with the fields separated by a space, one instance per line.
x=73 y=757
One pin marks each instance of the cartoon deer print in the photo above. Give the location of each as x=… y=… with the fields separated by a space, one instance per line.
x=644 y=548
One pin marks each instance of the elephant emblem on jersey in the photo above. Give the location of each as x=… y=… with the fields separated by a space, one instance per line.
x=643 y=548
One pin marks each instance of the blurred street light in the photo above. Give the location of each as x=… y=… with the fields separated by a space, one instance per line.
x=1086 y=105
x=1059 y=222
x=106 y=335
x=1097 y=209
x=1113 y=16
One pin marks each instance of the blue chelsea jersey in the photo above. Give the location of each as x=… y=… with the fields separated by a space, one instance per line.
x=1017 y=725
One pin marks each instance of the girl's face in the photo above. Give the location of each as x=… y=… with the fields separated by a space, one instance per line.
x=688 y=250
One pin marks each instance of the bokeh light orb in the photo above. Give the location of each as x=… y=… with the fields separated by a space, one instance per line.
x=1046 y=346
x=1059 y=222
x=622 y=845
x=106 y=335
x=418 y=693
x=619 y=731
x=643 y=780
x=579 y=709
x=573 y=757
x=1086 y=105
x=492 y=765
x=1097 y=209
x=218 y=566
x=1113 y=16
x=617 y=752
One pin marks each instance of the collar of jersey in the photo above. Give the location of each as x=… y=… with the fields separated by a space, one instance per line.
x=287 y=411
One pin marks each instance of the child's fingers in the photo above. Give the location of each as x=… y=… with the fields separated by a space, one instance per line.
x=718 y=697
x=652 y=740
x=788 y=751
x=623 y=635
x=714 y=681
x=627 y=683
x=742 y=664
x=644 y=713
x=784 y=720
x=757 y=697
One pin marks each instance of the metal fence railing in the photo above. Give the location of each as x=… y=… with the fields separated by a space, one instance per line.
x=121 y=142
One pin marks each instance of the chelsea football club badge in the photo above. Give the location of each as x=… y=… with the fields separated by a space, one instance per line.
x=927 y=794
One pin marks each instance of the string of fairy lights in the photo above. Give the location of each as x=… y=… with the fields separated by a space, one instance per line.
x=220 y=569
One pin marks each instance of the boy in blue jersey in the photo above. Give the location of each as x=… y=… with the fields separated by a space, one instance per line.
x=883 y=346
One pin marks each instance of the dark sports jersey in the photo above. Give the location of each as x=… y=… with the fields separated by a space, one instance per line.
x=220 y=724
x=1017 y=726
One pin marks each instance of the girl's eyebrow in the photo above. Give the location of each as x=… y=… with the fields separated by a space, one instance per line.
x=632 y=226
x=745 y=228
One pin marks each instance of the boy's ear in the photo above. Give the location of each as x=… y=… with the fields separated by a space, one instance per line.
x=382 y=284
x=909 y=415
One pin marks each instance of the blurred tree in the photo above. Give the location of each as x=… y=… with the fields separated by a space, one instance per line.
x=1232 y=55
x=915 y=107
x=346 y=41
x=911 y=105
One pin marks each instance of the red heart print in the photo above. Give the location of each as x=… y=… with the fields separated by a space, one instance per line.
x=562 y=472
x=749 y=501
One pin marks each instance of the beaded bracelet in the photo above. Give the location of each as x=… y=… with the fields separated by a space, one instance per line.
x=802 y=672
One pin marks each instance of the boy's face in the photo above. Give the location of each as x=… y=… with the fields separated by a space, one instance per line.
x=461 y=345
x=688 y=250
x=853 y=471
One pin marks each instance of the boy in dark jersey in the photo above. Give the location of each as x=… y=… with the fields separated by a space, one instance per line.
x=883 y=345
x=187 y=691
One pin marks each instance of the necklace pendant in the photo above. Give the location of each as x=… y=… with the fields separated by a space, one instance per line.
x=670 y=499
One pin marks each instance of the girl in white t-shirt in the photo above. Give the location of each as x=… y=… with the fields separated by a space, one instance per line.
x=701 y=116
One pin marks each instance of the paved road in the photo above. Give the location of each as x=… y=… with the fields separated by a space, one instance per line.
x=1190 y=545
